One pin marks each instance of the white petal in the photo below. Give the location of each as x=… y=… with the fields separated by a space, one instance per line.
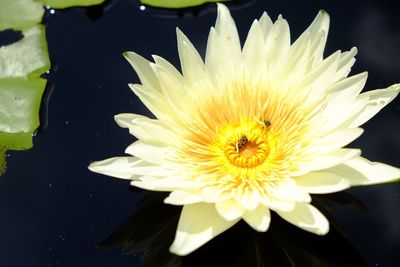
x=278 y=205
x=352 y=84
x=143 y=70
x=259 y=218
x=191 y=63
x=229 y=209
x=150 y=183
x=339 y=114
x=154 y=101
x=150 y=153
x=336 y=139
x=326 y=161
x=322 y=182
x=265 y=24
x=198 y=224
x=360 y=171
x=172 y=87
x=129 y=168
x=145 y=129
x=161 y=184
x=223 y=48
x=120 y=167
x=320 y=23
x=318 y=31
x=346 y=61
x=277 y=45
x=253 y=54
x=378 y=99
x=226 y=29
x=308 y=218
x=321 y=77
x=178 y=197
x=290 y=193
x=293 y=71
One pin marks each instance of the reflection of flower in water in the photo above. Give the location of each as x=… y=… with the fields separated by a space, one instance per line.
x=151 y=228
x=250 y=130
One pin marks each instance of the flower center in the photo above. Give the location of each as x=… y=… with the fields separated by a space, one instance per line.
x=247 y=144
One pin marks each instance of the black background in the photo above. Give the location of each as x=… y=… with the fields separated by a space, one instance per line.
x=53 y=211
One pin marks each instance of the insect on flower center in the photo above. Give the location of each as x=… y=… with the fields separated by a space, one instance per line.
x=248 y=144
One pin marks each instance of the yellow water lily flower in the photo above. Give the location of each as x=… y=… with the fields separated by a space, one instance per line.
x=250 y=130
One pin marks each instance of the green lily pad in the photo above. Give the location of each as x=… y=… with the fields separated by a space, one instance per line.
x=70 y=3
x=27 y=57
x=20 y=14
x=178 y=3
x=21 y=89
x=19 y=109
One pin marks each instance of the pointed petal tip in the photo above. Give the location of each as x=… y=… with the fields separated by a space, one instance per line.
x=92 y=166
x=128 y=54
x=175 y=249
x=98 y=166
x=222 y=6
x=323 y=12
x=198 y=224
x=323 y=230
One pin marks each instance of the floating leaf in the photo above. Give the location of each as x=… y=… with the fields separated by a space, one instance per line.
x=70 y=3
x=178 y=3
x=27 y=57
x=19 y=108
x=21 y=89
x=20 y=14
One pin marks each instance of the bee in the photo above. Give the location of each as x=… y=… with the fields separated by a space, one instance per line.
x=267 y=123
x=241 y=143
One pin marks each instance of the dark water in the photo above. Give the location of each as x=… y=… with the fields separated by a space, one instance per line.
x=53 y=211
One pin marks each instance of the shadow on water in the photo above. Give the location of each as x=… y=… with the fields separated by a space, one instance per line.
x=194 y=11
x=93 y=12
x=150 y=231
x=97 y=11
x=44 y=106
